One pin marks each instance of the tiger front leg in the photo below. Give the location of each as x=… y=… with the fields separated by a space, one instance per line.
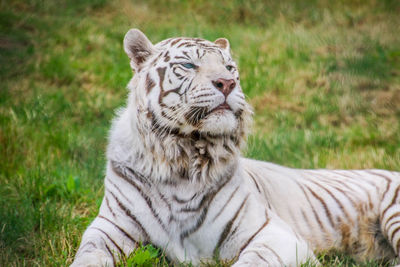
x=94 y=249
x=275 y=244
x=103 y=244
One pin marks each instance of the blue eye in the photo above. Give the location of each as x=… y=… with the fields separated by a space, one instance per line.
x=229 y=67
x=189 y=65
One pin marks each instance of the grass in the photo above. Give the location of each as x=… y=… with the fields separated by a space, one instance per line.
x=323 y=78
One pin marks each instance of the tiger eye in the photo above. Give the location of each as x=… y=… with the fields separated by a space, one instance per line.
x=189 y=65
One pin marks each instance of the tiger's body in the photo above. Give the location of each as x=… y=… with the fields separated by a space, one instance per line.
x=175 y=177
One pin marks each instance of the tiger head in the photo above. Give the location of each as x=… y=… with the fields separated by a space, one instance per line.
x=186 y=116
x=187 y=85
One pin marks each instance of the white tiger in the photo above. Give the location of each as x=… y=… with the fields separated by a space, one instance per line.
x=175 y=177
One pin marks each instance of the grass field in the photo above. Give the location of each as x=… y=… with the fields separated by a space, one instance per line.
x=323 y=78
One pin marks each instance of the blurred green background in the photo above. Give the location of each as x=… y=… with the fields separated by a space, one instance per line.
x=323 y=78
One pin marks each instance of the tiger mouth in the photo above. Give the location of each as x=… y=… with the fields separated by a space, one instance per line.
x=196 y=114
x=223 y=106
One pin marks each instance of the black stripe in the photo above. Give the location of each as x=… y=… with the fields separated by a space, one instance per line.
x=81 y=249
x=205 y=210
x=220 y=53
x=238 y=225
x=312 y=208
x=176 y=41
x=333 y=183
x=204 y=201
x=121 y=252
x=336 y=187
x=344 y=211
x=390 y=205
x=260 y=257
x=167 y=57
x=344 y=174
x=164 y=114
x=109 y=207
x=175 y=90
x=149 y=83
x=390 y=218
x=109 y=251
x=254 y=180
x=228 y=226
x=186 y=54
x=185 y=43
x=386 y=190
x=177 y=74
x=167 y=41
x=190 y=85
x=203 y=95
x=356 y=180
x=121 y=171
x=203 y=89
x=144 y=196
x=197 y=225
x=388 y=179
x=133 y=217
x=161 y=75
x=207 y=198
x=276 y=254
x=180 y=57
x=394 y=233
x=253 y=236
x=120 y=229
x=391 y=225
x=204 y=53
x=327 y=212
x=366 y=190
x=226 y=203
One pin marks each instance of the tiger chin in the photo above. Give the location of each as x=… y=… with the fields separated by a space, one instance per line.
x=175 y=177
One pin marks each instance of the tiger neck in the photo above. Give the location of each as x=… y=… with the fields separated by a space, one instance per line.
x=170 y=157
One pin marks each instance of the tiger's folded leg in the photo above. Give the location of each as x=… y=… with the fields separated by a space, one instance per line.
x=103 y=243
x=276 y=244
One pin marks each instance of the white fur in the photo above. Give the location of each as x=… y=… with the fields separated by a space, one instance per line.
x=195 y=197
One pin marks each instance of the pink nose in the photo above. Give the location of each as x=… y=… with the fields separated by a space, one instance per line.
x=225 y=86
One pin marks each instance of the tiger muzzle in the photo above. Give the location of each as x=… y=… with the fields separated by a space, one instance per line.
x=224 y=85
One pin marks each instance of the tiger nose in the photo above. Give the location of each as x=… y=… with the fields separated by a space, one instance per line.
x=224 y=85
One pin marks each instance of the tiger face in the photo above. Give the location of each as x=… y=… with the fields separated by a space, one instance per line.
x=188 y=84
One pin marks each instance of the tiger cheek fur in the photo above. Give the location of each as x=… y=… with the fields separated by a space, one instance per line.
x=175 y=177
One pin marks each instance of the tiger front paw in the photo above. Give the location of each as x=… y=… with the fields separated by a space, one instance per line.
x=94 y=258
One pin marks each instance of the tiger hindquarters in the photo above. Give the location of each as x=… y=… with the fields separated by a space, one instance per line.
x=390 y=216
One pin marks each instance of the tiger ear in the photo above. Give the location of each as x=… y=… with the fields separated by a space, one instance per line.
x=137 y=47
x=223 y=43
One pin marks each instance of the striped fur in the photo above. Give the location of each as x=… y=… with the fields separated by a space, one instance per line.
x=175 y=177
